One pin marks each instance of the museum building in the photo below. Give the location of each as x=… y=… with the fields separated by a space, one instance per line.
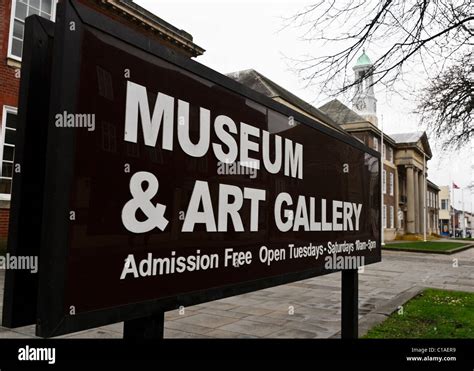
x=406 y=155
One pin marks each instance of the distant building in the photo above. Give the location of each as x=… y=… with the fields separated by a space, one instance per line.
x=469 y=217
x=445 y=211
x=405 y=155
x=449 y=216
x=463 y=220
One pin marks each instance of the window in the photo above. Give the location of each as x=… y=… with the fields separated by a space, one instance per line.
x=390 y=154
x=384 y=216
x=392 y=221
x=444 y=204
x=384 y=150
x=376 y=143
x=391 y=184
x=384 y=182
x=20 y=10
x=7 y=151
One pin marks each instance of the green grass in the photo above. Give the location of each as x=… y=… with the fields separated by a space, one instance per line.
x=429 y=245
x=434 y=314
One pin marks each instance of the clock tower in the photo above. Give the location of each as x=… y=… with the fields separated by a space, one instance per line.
x=364 y=102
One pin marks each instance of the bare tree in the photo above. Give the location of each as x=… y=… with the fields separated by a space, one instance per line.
x=446 y=104
x=431 y=37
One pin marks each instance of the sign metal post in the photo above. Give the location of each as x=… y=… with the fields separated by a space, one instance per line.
x=146 y=328
x=349 y=304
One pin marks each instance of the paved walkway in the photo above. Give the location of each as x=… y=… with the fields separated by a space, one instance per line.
x=304 y=309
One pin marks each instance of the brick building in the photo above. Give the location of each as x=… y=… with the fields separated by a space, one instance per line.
x=12 y=19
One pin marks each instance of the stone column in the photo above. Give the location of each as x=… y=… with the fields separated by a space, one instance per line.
x=421 y=195
x=417 y=201
x=437 y=213
x=437 y=222
x=410 y=222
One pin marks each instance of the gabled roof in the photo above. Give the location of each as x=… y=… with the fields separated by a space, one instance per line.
x=343 y=115
x=340 y=113
x=412 y=139
x=256 y=81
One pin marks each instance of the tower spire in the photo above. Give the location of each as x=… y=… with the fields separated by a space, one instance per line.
x=364 y=102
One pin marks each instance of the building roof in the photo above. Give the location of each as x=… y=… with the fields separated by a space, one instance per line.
x=343 y=115
x=340 y=113
x=432 y=185
x=363 y=60
x=412 y=137
x=149 y=20
x=262 y=84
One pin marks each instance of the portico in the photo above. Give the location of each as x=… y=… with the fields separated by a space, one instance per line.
x=413 y=151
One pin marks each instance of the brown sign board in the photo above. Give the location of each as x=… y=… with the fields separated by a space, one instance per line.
x=169 y=184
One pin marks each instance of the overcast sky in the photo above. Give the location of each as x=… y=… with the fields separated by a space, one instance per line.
x=239 y=35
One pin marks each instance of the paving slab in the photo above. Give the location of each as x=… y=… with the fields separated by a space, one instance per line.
x=187 y=327
x=207 y=320
x=251 y=328
x=289 y=333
